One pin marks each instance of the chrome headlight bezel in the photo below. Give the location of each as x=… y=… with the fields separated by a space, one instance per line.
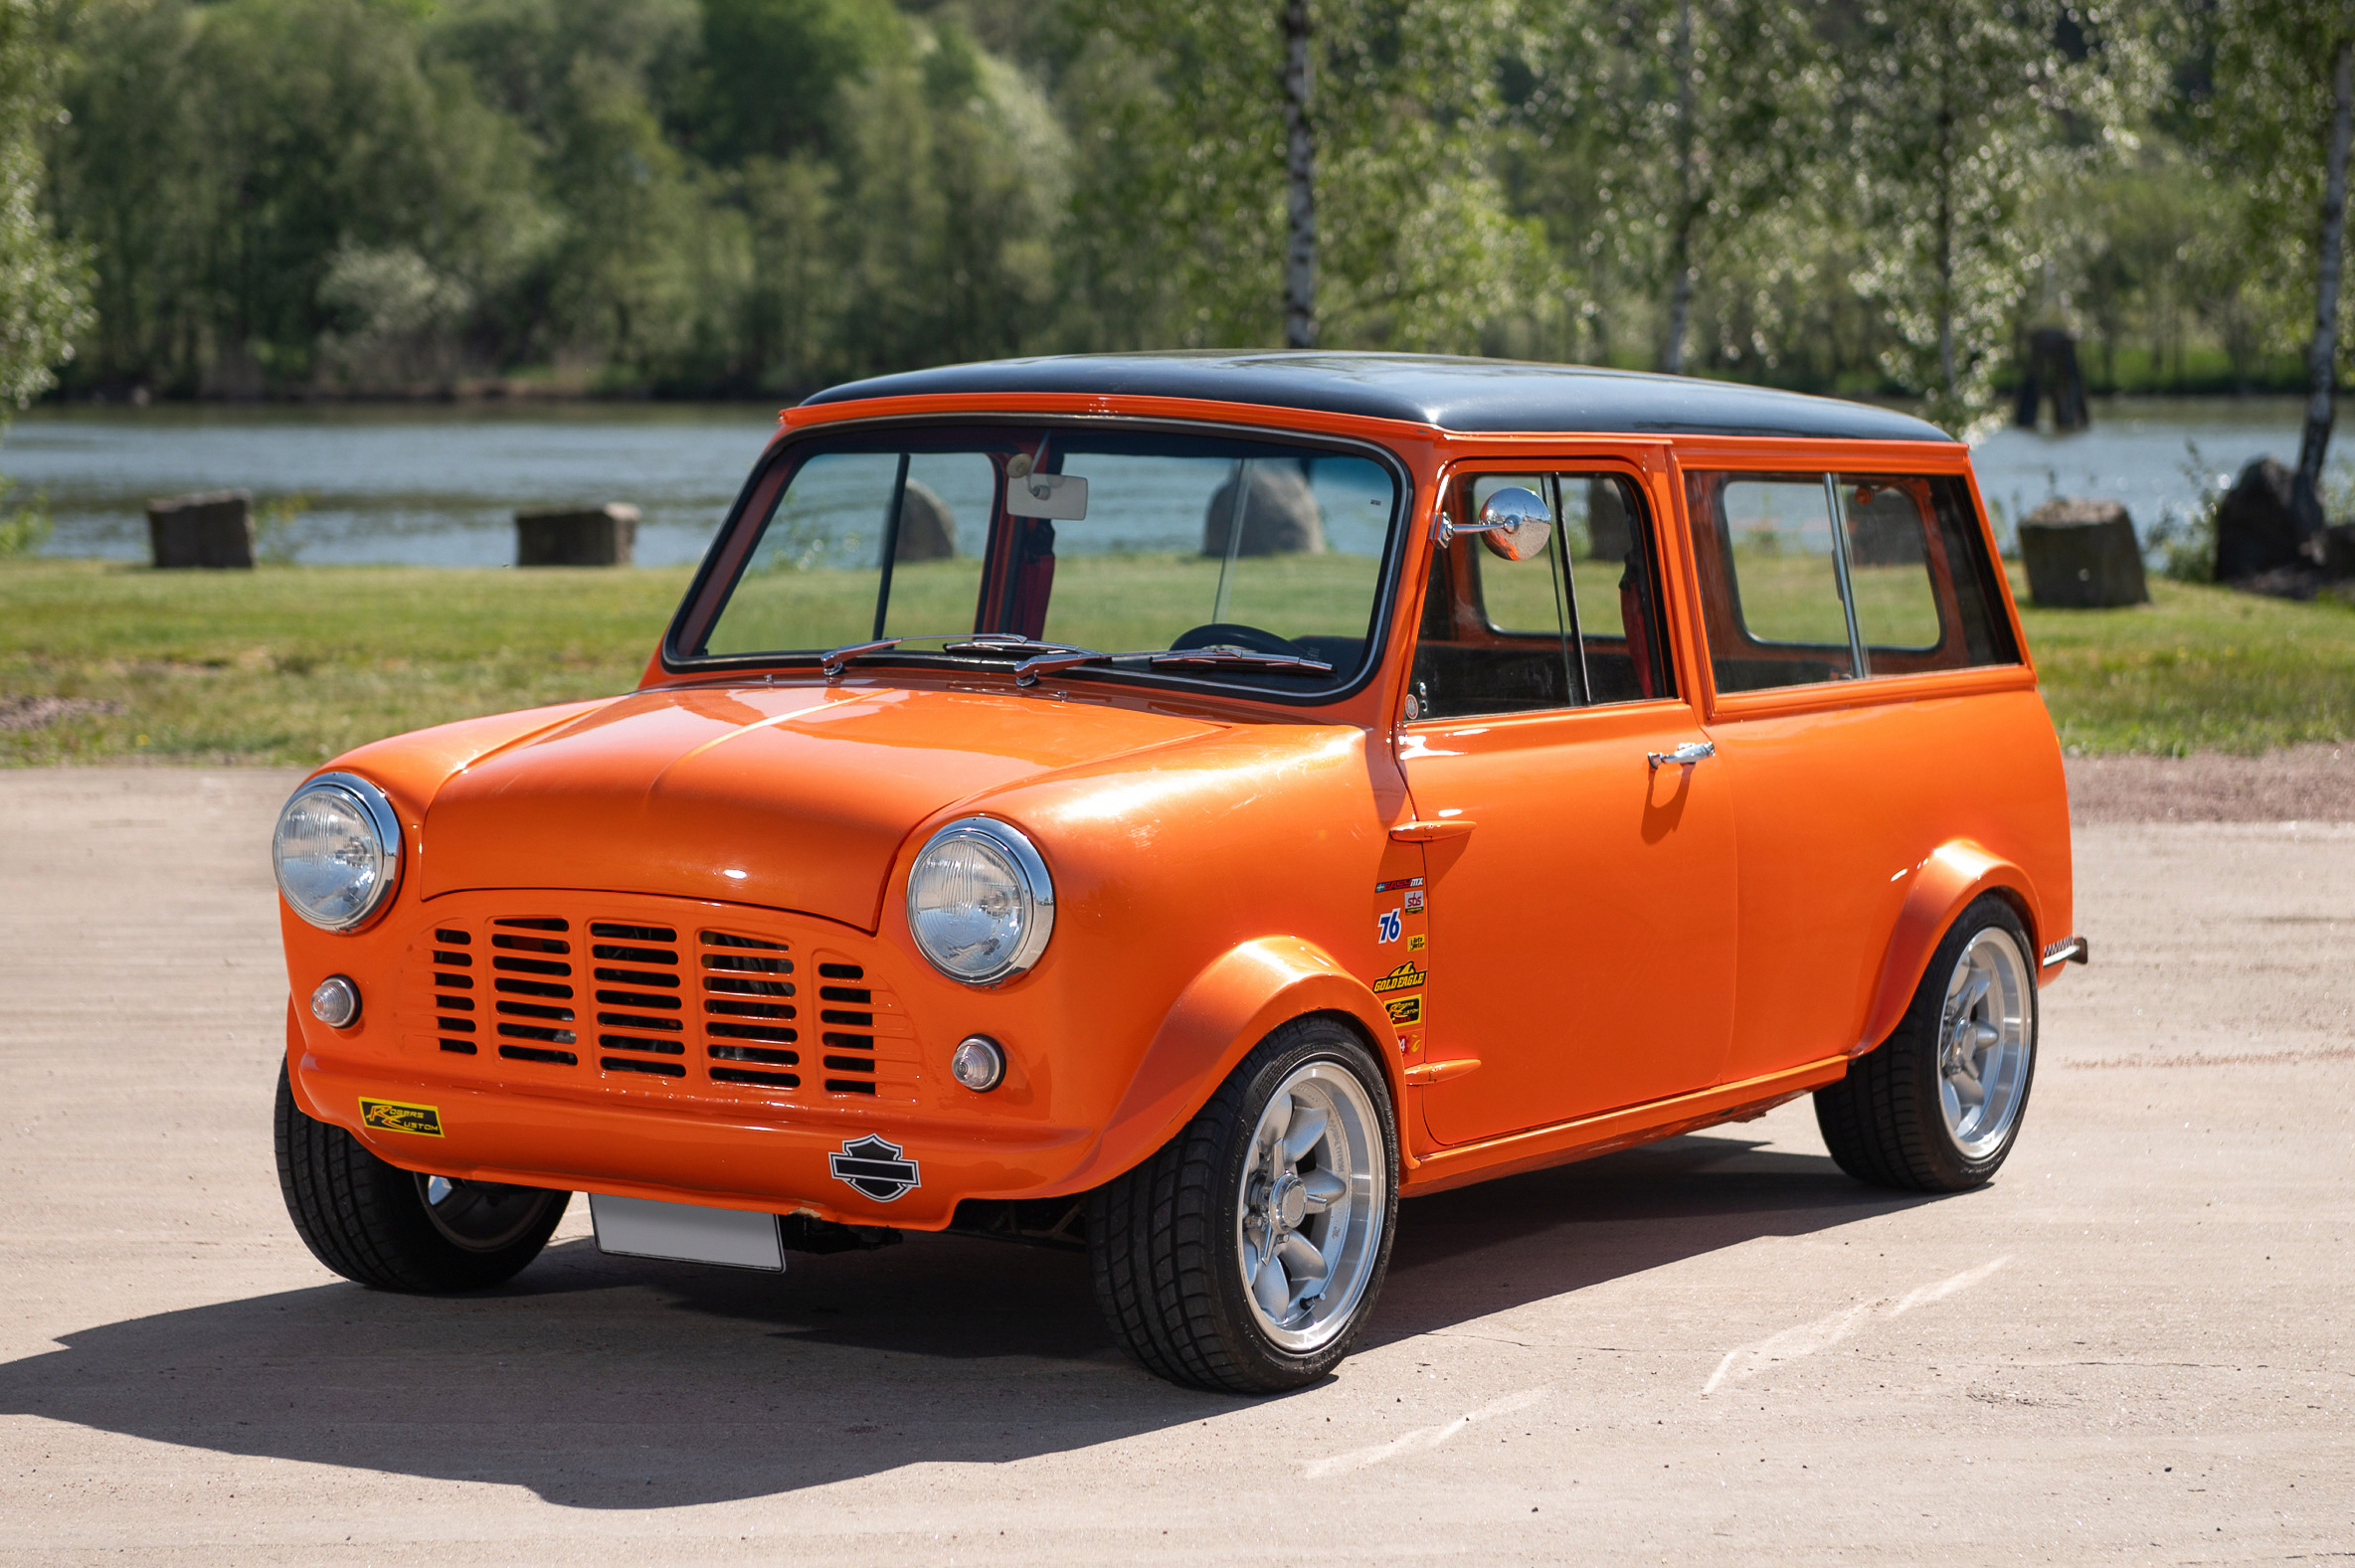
x=377 y=811
x=1037 y=888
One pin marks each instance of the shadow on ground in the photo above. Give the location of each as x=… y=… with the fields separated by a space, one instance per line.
x=609 y=1382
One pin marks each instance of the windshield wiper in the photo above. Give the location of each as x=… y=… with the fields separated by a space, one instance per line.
x=1028 y=673
x=1007 y=644
x=1039 y=658
x=834 y=660
x=1235 y=658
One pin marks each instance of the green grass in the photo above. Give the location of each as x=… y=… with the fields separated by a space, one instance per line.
x=2198 y=669
x=293 y=664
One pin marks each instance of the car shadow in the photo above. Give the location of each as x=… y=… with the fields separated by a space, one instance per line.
x=610 y=1382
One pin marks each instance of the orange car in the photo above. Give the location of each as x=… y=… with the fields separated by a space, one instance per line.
x=1177 y=806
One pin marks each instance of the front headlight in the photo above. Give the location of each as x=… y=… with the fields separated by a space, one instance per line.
x=337 y=850
x=980 y=902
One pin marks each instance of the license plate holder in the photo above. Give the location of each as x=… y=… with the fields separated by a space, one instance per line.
x=686 y=1233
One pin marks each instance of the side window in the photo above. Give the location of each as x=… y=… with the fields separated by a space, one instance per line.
x=1904 y=585
x=1575 y=625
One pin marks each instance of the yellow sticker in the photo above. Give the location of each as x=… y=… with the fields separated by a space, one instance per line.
x=1414 y=944
x=1405 y=977
x=395 y=1117
x=1407 y=1009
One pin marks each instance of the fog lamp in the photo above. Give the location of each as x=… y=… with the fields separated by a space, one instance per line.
x=977 y=1063
x=336 y=1002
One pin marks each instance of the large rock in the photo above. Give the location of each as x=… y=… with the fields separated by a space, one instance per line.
x=927 y=528
x=576 y=536
x=1280 y=514
x=2083 y=555
x=213 y=530
x=2258 y=529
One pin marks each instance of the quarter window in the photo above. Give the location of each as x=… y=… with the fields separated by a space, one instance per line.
x=1812 y=578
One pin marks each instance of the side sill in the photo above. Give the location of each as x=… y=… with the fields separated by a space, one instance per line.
x=1464 y=1164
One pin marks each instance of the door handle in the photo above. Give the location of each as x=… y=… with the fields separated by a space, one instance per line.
x=1684 y=756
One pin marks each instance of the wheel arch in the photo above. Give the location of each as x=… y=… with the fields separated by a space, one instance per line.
x=1948 y=879
x=1229 y=1007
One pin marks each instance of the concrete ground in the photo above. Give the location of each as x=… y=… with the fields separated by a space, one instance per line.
x=2134 y=1347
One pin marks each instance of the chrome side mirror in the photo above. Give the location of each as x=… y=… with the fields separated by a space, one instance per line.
x=1513 y=524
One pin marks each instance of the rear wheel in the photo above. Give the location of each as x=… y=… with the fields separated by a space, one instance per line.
x=1245 y=1255
x=396 y=1230
x=1936 y=1106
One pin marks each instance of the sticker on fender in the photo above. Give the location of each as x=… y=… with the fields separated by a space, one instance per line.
x=1405 y=1010
x=394 y=1116
x=1405 y=977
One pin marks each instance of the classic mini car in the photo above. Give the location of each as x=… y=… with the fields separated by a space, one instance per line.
x=1177 y=806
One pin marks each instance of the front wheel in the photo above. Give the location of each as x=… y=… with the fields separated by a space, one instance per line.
x=1936 y=1106
x=1245 y=1255
x=379 y=1225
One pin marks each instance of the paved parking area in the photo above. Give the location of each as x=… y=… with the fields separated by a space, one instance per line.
x=2134 y=1347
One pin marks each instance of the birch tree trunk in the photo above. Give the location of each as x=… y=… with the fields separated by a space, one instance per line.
x=1300 y=170
x=1681 y=268
x=2322 y=354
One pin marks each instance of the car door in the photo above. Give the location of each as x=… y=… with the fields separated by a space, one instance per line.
x=1580 y=901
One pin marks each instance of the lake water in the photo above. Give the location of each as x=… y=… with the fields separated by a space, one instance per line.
x=440 y=485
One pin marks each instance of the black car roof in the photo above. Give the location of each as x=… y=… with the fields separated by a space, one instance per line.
x=1475 y=396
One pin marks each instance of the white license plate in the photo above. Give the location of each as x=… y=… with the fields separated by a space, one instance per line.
x=686 y=1233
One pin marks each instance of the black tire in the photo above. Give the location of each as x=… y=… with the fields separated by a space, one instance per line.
x=1162 y=1239
x=371 y=1222
x=1883 y=1122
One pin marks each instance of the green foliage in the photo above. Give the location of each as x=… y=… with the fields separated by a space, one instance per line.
x=23 y=531
x=297 y=196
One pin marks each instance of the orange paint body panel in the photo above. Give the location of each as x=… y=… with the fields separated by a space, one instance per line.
x=1554 y=944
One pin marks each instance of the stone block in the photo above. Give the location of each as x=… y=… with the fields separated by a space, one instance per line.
x=211 y=530
x=1280 y=514
x=576 y=536
x=2083 y=555
x=2258 y=529
x=927 y=528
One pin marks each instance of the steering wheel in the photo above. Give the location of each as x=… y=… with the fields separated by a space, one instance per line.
x=1230 y=634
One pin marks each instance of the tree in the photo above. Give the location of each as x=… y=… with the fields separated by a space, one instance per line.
x=1683 y=122
x=1227 y=198
x=2284 y=104
x=44 y=286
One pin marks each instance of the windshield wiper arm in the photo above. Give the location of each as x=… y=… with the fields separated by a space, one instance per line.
x=1007 y=644
x=834 y=660
x=1235 y=657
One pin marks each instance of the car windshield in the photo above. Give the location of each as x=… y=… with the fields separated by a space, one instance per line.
x=1260 y=561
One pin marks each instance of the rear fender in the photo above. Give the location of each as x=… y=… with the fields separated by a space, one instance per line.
x=1226 y=1010
x=1955 y=873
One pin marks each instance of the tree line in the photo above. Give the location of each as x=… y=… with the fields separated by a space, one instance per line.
x=760 y=197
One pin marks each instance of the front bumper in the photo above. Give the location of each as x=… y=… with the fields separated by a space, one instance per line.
x=768 y=1163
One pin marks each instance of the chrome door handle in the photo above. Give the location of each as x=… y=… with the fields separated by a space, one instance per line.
x=1684 y=756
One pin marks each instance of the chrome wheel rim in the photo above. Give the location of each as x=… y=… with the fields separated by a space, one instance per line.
x=1309 y=1223
x=482 y=1216
x=1985 y=1040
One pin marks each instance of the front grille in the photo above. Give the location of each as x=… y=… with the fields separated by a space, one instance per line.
x=648 y=1005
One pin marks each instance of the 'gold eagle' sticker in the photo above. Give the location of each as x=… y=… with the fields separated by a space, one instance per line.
x=1405 y=977
x=394 y=1116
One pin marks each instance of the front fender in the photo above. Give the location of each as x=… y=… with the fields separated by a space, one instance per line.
x=1954 y=873
x=1227 y=1009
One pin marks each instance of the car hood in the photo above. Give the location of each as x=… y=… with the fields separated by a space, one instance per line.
x=789 y=797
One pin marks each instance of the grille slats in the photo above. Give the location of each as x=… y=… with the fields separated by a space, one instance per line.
x=741 y=1035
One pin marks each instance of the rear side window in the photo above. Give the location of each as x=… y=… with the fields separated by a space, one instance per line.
x=1811 y=578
